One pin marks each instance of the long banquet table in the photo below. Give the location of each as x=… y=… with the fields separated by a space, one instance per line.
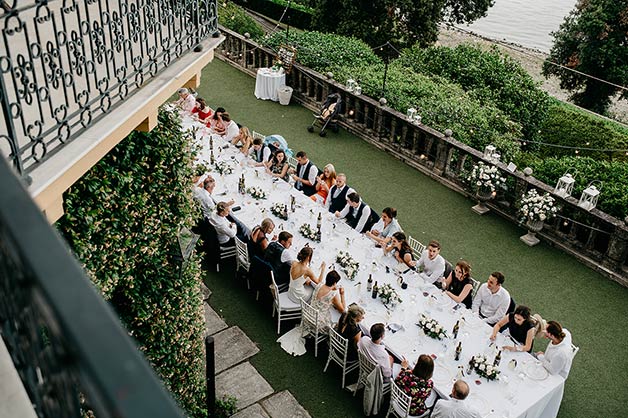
x=524 y=391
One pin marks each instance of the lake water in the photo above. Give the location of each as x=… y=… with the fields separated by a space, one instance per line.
x=524 y=22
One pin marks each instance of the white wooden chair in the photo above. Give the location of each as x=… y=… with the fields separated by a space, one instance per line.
x=258 y=135
x=338 y=349
x=366 y=367
x=282 y=305
x=243 y=262
x=310 y=325
x=476 y=286
x=399 y=402
x=417 y=247
x=292 y=162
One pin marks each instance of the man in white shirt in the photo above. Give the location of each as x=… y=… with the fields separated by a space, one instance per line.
x=280 y=259
x=305 y=175
x=260 y=152
x=203 y=193
x=375 y=350
x=558 y=355
x=231 y=128
x=186 y=101
x=357 y=213
x=225 y=230
x=455 y=407
x=492 y=300
x=337 y=198
x=432 y=262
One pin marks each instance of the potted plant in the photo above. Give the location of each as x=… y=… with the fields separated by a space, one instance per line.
x=534 y=210
x=485 y=180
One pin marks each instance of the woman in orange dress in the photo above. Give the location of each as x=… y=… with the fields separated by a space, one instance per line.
x=324 y=182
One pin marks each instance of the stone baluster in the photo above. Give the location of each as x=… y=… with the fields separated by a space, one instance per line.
x=441 y=153
x=617 y=253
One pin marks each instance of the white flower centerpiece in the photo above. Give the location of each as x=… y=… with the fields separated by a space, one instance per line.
x=223 y=168
x=347 y=264
x=485 y=180
x=431 y=327
x=534 y=210
x=280 y=211
x=256 y=193
x=389 y=296
x=484 y=368
x=310 y=233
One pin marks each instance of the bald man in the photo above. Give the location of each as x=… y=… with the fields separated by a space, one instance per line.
x=455 y=407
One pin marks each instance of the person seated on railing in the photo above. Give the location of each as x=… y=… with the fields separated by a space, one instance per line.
x=521 y=328
x=432 y=262
x=280 y=258
x=337 y=198
x=402 y=250
x=458 y=284
x=384 y=229
x=260 y=153
x=302 y=278
x=244 y=140
x=558 y=355
x=492 y=300
x=278 y=166
x=202 y=111
x=225 y=230
x=324 y=183
x=186 y=100
x=358 y=214
x=305 y=174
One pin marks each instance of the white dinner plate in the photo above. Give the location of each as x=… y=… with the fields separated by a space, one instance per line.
x=536 y=371
x=479 y=403
x=443 y=376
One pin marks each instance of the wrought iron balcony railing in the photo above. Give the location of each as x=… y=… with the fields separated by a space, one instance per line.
x=64 y=64
x=69 y=348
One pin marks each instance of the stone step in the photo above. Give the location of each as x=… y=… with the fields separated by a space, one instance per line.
x=244 y=383
x=253 y=411
x=213 y=322
x=284 y=405
x=232 y=346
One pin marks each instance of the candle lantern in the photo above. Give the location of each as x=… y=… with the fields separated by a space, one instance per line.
x=589 y=197
x=564 y=186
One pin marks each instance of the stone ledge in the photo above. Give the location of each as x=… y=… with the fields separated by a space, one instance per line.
x=243 y=382
x=232 y=347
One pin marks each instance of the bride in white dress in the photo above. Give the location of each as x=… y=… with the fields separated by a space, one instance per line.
x=302 y=276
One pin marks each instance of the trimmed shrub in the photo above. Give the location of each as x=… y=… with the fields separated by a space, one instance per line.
x=325 y=52
x=233 y=17
x=488 y=76
x=122 y=220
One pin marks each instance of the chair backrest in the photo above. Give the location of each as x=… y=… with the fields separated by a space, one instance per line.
x=260 y=271
x=258 y=135
x=476 y=286
x=274 y=290
x=448 y=269
x=292 y=162
x=339 y=345
x=242 y=254
x=574 y=350
x=309 y=316
x=366 y=364
x=539 y=325
x=417 y=247
x=512 y=306
x=399 y=401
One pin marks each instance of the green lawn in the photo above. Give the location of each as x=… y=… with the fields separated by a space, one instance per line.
x=550 y=282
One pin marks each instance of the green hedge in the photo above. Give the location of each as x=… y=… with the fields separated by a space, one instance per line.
x=325 y=52
x=233 y=17
x=121 y=220
x=614 y=193
x=488 y=76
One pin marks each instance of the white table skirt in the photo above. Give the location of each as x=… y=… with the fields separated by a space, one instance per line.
x=513 y=395
x=267 y=82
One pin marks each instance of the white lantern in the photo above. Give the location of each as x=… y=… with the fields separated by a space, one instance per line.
x=589 y=197
x=411 y=113
x=350 y=84
x=564 y=187
x=357 y=90
x=495 y=158
x=489 y=151
x=417 y=119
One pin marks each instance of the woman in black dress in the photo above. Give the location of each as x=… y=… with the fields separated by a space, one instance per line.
x=348 y=327
x=278 y=165
x=521 y=327
x=458 y=284
x=259 y=241
x=403 y=251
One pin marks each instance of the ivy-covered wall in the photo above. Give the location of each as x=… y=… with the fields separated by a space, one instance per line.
x=122 y=219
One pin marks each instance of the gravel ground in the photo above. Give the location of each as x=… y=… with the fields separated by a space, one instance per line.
x=530 y=59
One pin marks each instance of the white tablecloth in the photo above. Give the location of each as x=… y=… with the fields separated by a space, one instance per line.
x=267 y=82
x=515 y=394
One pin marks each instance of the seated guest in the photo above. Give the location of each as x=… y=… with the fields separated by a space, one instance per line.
x=417 y=383
x=458 y=284
x=226 y=230
x=492 y=300
x=280 y=258
x=230 y=128
x=258 y=242
x=432 y=262
x=324 y=182
x=326 y=295
x=357 y=213
x=302 y=276
x=521 y=327
x=558 y=354
x=373 y=348
x=202 y=111
x=260 y=153
x=455 y=407
x=186 y=100
x=216 y=120
x=305 y=175
x=384 y=229
x=349 y=328
x=244 y=139
x=403 y=253
x=203 y=193
x=278 y=166
x=337 y=199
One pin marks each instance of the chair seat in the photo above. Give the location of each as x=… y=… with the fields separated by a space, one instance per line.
x=287 y=304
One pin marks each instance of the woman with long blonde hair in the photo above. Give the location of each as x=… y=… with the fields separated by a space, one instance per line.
x=324 y=182
x=245 y=138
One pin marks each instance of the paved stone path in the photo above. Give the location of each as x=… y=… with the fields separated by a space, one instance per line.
x=235 y=376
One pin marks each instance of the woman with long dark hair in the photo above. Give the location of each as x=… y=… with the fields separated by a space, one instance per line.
x=417 y=382
x=458 y=284
x=402 y=250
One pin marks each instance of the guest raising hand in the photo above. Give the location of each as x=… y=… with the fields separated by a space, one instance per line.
x=384 y=229
x=324 y=182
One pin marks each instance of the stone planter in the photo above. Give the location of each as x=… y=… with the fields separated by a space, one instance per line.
x=483 y=196
x=530 y=238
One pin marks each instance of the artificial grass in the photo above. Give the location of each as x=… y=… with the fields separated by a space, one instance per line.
x=550 y=282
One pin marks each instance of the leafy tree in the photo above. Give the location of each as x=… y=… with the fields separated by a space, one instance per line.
x=593 y=40
x=402 y=22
